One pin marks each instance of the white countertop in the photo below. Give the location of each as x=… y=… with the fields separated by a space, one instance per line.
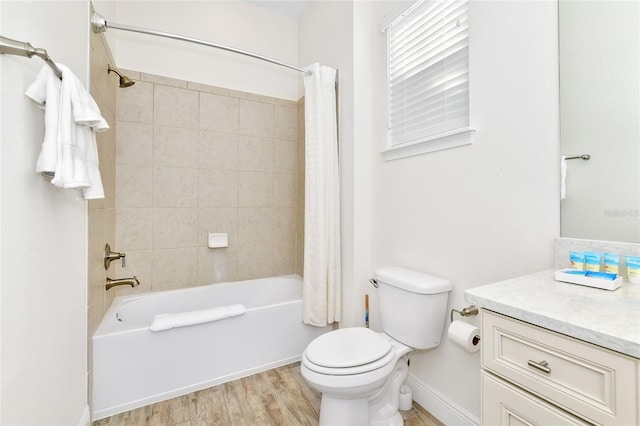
x=610 y=319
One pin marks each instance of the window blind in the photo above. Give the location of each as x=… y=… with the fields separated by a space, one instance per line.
x=428 y=74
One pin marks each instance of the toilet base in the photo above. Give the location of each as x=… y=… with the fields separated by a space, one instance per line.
x=351 y=412
x=347 y=412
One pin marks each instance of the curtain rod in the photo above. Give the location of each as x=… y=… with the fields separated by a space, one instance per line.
x=100 y=25
x=22 y=48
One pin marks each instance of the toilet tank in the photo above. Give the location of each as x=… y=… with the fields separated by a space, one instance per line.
x=413 y=305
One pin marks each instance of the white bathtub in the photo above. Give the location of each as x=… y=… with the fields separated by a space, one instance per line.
x=133 y=366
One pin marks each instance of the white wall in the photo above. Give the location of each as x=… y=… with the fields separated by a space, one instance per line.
x=481 y=213
x=43 y=233
x=235 y=24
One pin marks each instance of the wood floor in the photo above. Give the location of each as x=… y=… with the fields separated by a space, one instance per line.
x=277 y=397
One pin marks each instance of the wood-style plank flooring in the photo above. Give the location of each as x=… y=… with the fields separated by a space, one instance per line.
x=277 y=397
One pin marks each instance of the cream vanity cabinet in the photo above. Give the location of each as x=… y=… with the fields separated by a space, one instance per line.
x=534 y=376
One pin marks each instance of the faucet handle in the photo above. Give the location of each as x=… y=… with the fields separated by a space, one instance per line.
x=110 y=256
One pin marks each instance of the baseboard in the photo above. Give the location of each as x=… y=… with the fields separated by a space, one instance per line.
x=85 y=418
x=442 y=408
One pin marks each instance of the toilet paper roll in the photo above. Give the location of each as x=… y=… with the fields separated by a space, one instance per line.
x=465 y=335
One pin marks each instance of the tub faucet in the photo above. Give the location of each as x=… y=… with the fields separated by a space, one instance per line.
x=110 y=256
x=133 y=282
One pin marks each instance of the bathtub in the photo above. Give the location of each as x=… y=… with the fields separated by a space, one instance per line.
x=133 y=366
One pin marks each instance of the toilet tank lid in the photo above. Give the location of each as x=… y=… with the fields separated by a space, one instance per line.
x=414 y=281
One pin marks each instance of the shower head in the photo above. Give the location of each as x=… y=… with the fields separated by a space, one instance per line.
x=124 y=80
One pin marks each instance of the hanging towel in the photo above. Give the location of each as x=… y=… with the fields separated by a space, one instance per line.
x=563 y=177
x=321 y=290
x=72 y=117
x=163 y=322
x=45 y=91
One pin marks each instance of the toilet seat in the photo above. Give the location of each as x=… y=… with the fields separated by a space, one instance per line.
x=348 y=351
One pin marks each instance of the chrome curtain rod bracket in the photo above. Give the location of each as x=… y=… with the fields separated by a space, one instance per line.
x=100 y=25
x=9 y=46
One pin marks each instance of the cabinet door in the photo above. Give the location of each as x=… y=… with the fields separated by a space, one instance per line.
x=505 y=404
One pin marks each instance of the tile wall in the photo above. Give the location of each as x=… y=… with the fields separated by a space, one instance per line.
x=193 y=160
x=101 y=213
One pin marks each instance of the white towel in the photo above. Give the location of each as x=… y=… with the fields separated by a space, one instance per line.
x=163 y=322
x=45 y=91
x=71 y=119
x=563 y=177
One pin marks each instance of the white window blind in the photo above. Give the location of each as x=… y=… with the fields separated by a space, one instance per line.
x=428 y=75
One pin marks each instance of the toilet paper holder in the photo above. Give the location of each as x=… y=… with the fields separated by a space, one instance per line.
x=465 y=312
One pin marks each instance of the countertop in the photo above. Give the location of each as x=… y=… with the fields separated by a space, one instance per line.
x=610 y=319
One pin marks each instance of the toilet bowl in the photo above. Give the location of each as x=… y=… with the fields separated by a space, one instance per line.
x=359 y=372
x=352 y=378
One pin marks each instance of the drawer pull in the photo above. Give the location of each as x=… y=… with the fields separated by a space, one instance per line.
x=542 y=366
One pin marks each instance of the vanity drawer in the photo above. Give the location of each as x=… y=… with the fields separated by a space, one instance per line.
x=504 y=404
x=594 y=383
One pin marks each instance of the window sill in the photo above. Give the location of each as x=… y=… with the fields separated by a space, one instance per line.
x=439 y=142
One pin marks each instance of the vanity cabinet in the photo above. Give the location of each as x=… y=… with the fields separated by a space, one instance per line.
x=532 y=375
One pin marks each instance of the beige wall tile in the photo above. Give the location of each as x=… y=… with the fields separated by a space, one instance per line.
x=255 y=189
x=255 y=154
x=175 y=107
x=299 y=224
x=101 y=213
x=134 y=229
x=300 y=258
x=207 y=89
x=175 y=227
x=110 y=225
x=217 y=151
x=255 y=225
x=285 y=224
x=218 y=113
x=217 y=265
x=285 y=190
x=174 y=268
x=136 y=103
x=285 y=156
x=193 y=160
x=175 y=147
x=134 y=186
x=284 y=257
x=175 y=187
x=134 y=144
x=261 y=98
x=255 y=260
x=165 y=81
x=215 y=221
x=217 y=188
x=255 y=118
x=285 y=121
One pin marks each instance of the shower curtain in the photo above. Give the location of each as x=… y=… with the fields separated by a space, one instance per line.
x=321 y=291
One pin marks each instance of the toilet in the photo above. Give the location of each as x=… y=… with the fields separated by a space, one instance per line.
x=358 y=371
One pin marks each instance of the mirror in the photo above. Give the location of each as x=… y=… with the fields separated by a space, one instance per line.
x=599 y=116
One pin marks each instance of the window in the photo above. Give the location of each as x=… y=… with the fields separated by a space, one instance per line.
x=428 y=78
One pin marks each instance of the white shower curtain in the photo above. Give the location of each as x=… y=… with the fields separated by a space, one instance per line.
x=321 y=291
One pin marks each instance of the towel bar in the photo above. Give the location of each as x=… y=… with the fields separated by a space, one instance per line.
x=579 y=157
